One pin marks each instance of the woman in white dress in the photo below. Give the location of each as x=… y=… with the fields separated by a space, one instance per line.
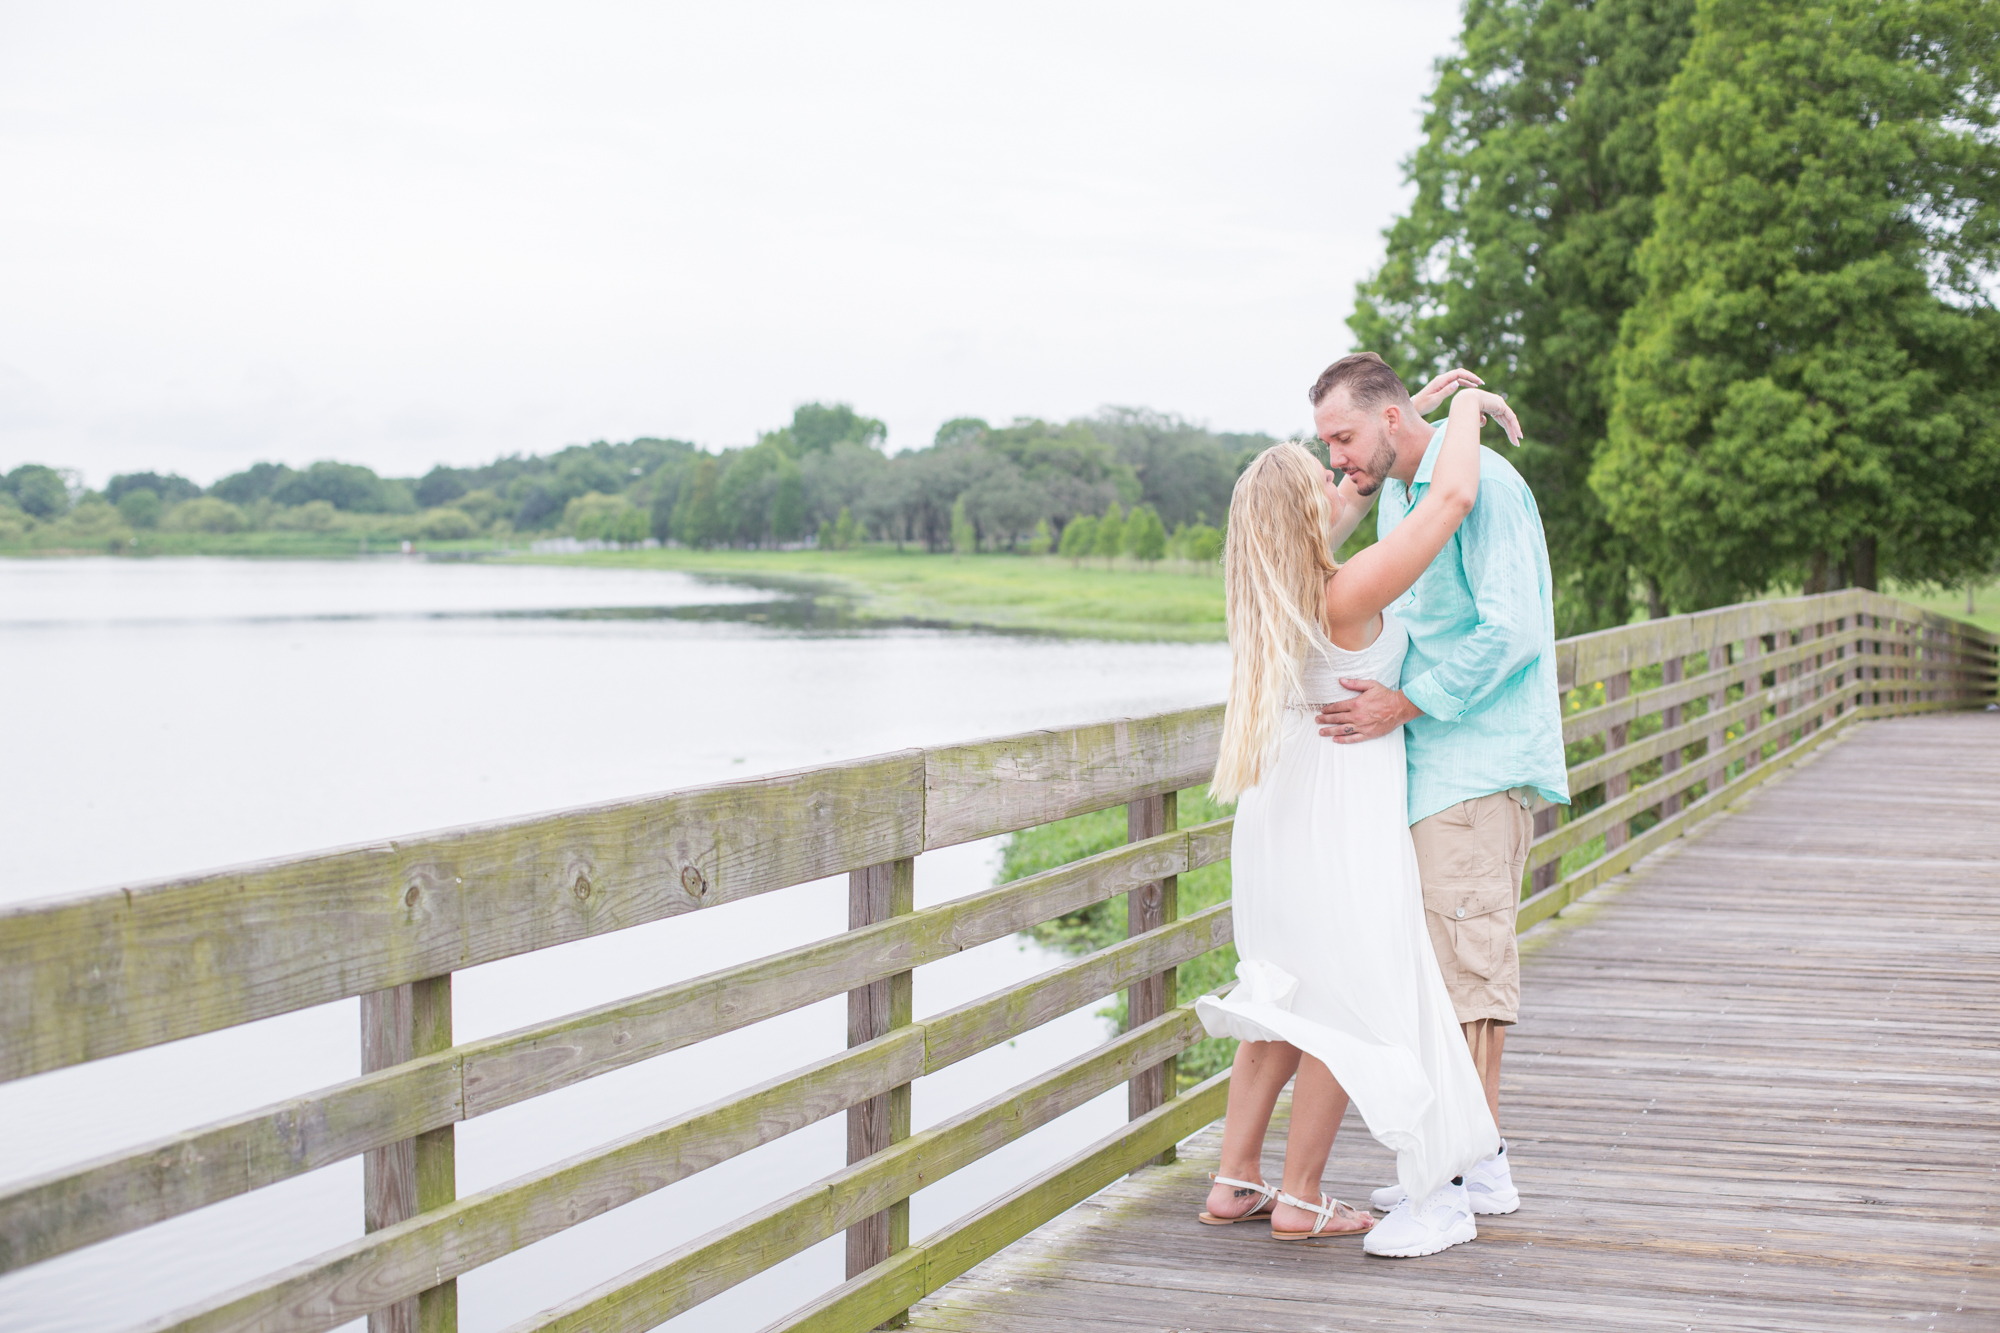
x=1338 y=982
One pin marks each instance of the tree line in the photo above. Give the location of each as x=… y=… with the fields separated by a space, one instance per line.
x=1147 y=483
x=1733 y=261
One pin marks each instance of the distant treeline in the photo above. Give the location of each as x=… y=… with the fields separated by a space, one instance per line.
x=823 y=478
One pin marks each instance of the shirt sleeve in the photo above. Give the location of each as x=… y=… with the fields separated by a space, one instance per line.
x=1495 y=544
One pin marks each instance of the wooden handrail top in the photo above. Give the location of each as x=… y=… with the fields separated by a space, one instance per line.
x=109 y=972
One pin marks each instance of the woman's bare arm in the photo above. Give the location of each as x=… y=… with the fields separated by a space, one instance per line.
x=1350 y=506
x=1383 y=572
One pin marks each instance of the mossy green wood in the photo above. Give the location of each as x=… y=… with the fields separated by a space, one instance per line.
x=117 y=971
x=402 y=1260
x=957 y=1033
x=684 y=1277
x=398 y=1261
x=59 y=1211
x=1590 y=657
x=1592 y=721
x=1796 y=690
x=1016 y=782
x=1580 y=831
x=859 y=1305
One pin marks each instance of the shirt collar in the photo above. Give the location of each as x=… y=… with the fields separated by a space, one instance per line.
x=1429 y=465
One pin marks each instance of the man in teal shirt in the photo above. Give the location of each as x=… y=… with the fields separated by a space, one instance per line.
x=1478 y=703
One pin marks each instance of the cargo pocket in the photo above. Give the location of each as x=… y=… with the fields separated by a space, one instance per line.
x=1479 y=921
x=1457 y=844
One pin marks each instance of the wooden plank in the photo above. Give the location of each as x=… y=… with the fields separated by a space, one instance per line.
x=120 y=1192
x=1592 y=721
x=1591 y=657
x=490 y=1225
x=335 y=1287
x=89 y=977
x=878 y=894
x=954 y=1034
x=1581 y=830
x=690 y=1274
x=1546 y=903
x=1016 y=782
x=1709 y=725
x=398 y=1261
x=1671 y=672
x=414 y=1175
x=1618 y=781
x=858 y=1304
x=1147 y=908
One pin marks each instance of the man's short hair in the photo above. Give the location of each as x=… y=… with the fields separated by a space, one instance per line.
x=1366 y=377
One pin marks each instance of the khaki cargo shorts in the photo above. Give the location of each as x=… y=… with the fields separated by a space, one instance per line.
x=1470 y=858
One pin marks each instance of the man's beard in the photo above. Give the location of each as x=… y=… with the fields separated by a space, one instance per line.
x=1369 y=480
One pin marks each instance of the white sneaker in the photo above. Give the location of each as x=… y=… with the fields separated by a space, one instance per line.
x=1444 y=1220
x=1490 y=1184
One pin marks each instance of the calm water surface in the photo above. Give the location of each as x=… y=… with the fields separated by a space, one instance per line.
x=174 y=715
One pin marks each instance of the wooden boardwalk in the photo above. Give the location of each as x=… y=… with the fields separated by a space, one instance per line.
x=1756 y=1086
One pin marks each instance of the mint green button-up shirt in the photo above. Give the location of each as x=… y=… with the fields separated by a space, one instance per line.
x=1482 y=659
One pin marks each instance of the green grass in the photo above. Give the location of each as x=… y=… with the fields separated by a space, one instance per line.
x=1985 y=602
x=1042 y=594
x=1037 y=849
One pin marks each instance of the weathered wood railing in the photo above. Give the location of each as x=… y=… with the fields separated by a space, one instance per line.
x=1689 y=711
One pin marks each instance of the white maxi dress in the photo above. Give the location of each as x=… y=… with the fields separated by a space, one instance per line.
x=1329 y=919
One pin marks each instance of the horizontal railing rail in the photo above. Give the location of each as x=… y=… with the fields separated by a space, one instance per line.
x=1667 y=721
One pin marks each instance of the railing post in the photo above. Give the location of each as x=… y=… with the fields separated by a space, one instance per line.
x=398 y=1182
x=874 y=894
x=1753 y=685
x=1547 y=820
x=1670 y=762
x=1149 y=907
x=1617 y=784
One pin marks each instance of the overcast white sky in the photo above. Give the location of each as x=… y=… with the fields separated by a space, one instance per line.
x=400 y=235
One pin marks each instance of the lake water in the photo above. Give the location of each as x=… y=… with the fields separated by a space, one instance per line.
x=173 y=715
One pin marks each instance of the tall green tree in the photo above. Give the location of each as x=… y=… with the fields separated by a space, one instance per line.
x=697 y=517
x=817 y=427
x=1535 y=188
x=1806 y=393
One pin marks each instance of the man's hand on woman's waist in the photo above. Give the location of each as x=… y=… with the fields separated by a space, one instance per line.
x=1375 y=710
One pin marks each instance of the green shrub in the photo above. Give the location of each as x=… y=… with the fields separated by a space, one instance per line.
x=207 y=514
x=1201 y=543
x=1035 y=850
x=312 y=516
x=1145 y=536
x=1110 y=532
x=610 y=518
x=446 y=525
x=140 y=507
x=483 y=505
x=1079 y=538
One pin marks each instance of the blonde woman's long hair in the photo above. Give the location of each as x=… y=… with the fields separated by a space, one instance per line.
x=1274 y=566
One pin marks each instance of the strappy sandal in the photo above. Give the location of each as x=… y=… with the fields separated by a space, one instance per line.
x=1328 y=1208
x=1262 y=1210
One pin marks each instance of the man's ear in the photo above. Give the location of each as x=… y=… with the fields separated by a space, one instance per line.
x=1392 y=418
